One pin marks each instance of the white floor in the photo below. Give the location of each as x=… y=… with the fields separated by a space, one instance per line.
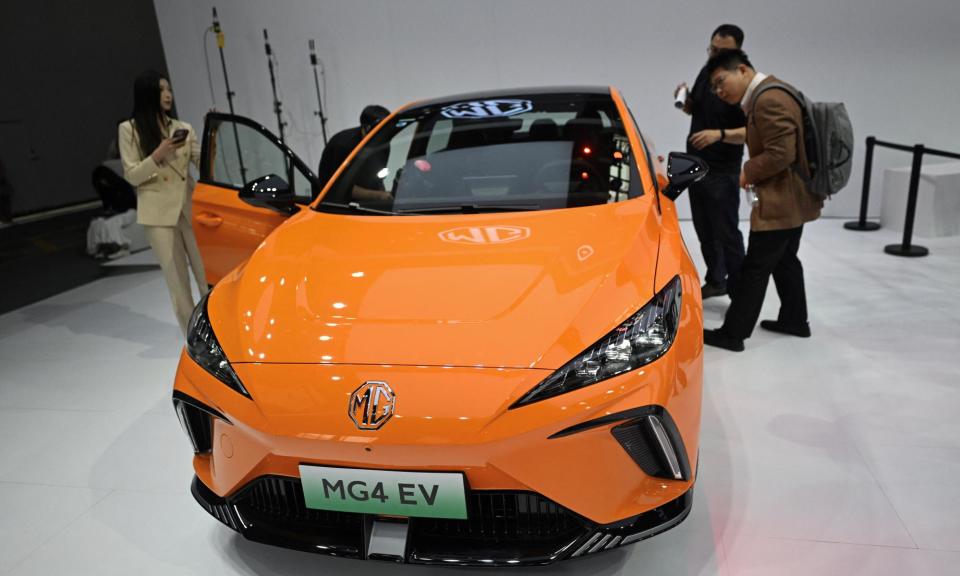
x=836 y=455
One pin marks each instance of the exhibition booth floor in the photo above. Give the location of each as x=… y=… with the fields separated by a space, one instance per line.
x=832 y=455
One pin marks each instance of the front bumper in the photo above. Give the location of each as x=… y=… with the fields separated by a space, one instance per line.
x=450 y=420
x=504 y=528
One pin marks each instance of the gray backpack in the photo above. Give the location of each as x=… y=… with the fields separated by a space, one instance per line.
x=828 y=140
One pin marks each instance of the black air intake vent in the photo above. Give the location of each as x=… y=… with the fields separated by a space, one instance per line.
x=196 y=420
x=654 y=443
x=633 y=436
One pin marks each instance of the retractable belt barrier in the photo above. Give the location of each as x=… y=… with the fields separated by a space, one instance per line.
x=906 y=248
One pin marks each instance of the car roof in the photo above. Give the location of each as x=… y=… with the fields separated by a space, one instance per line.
x=529 y=91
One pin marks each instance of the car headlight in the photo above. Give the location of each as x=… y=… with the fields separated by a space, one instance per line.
x=644 y=337
x=203 y=347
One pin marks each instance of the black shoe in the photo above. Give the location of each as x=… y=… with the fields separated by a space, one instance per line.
x=721 y=339
x=800 y=330
x=711 y=290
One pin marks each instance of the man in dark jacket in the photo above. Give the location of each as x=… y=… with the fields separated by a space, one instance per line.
x=716 y=136
x=777 y=160
x=343 y=142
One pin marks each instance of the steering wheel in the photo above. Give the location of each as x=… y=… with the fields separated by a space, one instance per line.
x=413 y=179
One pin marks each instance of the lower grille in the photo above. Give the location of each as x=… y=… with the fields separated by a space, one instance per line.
x=282 y=498
x=637 y=528
x=490 y=515
x=503 y=528
x=216 y=506
x=507 y=516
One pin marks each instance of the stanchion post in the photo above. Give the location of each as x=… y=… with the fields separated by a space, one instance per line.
x=862 y=225
x=907 y=248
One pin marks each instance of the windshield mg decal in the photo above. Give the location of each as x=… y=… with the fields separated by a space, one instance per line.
x=371 y=405
x=485 y=234
x=486 y=108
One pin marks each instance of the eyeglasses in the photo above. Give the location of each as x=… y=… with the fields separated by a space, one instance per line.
x=718 y=83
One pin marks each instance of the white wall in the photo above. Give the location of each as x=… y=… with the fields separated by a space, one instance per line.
x=895 y=64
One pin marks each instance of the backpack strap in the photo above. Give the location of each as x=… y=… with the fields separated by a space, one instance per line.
x=769 y=86
x=808 y=180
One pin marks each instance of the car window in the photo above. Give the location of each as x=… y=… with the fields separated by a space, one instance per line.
x=240 y=153
x=533 y=152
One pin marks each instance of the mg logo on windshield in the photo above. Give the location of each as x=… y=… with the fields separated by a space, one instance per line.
x=371 y=405
x=487 y=108
x=485 y=234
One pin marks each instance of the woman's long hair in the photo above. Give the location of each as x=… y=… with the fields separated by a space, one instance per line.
x=147 y=111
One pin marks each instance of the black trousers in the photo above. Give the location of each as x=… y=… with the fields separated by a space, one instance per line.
x=768 y=253
x=715 y=206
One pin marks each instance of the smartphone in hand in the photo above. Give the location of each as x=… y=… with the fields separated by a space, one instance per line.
x=180 y=135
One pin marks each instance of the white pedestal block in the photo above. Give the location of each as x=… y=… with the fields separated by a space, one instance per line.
x=938 y=200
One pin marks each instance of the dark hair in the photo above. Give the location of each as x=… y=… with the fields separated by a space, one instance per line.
x=728 y=60
x=373 y=115
x=147 y=111
x=730 y=31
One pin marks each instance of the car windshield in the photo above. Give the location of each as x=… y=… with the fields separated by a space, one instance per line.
x=517 y=153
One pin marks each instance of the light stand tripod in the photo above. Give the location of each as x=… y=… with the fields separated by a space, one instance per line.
x=277 y=106
x=316 y=82
x=226 y=80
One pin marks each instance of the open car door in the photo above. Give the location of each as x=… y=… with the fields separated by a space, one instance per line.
x=235 y=151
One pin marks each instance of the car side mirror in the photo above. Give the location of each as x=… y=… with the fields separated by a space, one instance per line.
x=682 y=171
x=270 y=191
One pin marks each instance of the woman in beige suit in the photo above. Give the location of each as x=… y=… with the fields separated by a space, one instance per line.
x=157 y=150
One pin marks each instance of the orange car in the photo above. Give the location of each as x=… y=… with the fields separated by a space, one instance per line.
x=479 y=344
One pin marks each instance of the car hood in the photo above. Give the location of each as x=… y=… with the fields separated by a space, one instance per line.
x=519 y=290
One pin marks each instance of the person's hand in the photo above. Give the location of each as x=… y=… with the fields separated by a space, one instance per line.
x=167 y=147
x=743 y=180
x=361 y=193
x=704 y=138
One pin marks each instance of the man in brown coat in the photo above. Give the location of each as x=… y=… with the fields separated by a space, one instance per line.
x=775 y=172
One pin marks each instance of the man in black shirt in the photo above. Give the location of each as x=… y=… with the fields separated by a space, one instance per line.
x=343 y=142
x=717 y=133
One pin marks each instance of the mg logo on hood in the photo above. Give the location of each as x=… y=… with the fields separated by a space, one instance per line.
x=371 y=405
x=485 y=234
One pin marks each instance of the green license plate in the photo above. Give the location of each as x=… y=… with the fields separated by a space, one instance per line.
x=422 y=494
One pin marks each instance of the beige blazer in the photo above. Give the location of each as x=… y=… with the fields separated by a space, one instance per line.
x=775 y=142
x=163 y=190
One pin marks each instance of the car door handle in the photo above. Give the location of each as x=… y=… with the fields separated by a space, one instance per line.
x=209 y=220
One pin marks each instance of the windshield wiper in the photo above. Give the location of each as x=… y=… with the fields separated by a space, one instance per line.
x=473 y=209
x=355 y=207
